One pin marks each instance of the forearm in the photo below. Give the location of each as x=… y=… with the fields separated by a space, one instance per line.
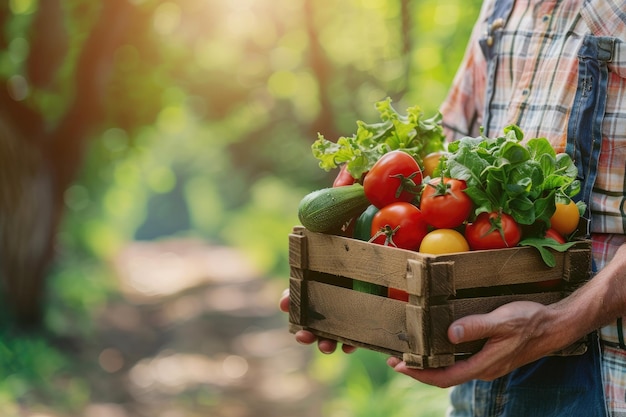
x=596 y=304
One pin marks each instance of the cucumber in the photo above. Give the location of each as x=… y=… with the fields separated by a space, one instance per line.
x=363 y=231
x=328 y=209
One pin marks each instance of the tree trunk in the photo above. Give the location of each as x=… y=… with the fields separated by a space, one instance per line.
x=39 y=162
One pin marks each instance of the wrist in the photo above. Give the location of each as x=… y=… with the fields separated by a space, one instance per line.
x=596 y=304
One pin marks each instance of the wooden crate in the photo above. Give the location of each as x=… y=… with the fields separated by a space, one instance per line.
x=441 y=289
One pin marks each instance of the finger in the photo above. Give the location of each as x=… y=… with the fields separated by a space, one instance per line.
x=460 y=372
x=348 y=348
x=393 y=361
x=284 y=301
x=305 y=337
x=326 y=345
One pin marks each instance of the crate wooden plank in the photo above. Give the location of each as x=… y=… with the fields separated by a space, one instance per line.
x=481 y=305
x=577 y=263
x=352 y=258
x=295 y=302
x=357 y=316
x=298 y=253
x=417 y=329
x=387 y=266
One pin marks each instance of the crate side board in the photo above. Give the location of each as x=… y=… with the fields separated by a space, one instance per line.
x=388 y=266
x=517 y=265
x=578 y=263
x=356 y=316
x=441 y=320
x=295 y=302
x=377 y=264
x=298 y=252
x=440 y=352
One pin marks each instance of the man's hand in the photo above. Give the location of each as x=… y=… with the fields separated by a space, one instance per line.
x=517 y=334
x=306 y=338
x=522 y=332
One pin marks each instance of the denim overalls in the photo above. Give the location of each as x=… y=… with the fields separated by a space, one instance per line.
x=553 y=386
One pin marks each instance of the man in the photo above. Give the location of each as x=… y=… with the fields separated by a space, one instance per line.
x=557 y=69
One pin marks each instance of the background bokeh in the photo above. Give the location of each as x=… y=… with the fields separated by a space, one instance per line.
x=183 y=129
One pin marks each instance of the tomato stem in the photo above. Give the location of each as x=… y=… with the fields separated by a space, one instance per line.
x=407 y=184
x=388 y=232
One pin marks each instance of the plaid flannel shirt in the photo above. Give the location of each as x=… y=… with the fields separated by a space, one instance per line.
x=534 y=86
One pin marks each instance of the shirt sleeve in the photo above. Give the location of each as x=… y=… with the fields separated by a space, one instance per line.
x=463 y=107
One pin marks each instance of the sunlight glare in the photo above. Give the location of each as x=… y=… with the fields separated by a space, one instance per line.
x=18 y=87
x=211 y=55
x=427 y=57
x=446 y=14
x=23 y=6
x=115 y=139
x=281 y=387
x=18 y=50
x=234 y=366
x=240 y=23
x=285 y=58
x=282 y=84
x=161 y=179
x=172 y=119
x=374 y=4
x=167 y=18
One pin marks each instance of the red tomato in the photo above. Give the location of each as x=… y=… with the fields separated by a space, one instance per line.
x=396 y=176
x=553 y=234
x=444 y=204
x=397 y=294
x=343 y=177
x=493 y=231
x=553 y=283
x=399 y=224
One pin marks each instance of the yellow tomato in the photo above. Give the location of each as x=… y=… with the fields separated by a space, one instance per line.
x=440 y=241
x=430 y=163
x=565 y=218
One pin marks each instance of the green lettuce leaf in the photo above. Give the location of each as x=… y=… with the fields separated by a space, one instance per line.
x=413 y=133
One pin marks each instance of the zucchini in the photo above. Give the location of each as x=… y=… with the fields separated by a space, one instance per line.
x=328 y=209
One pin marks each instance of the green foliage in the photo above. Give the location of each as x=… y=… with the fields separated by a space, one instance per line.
x=367 y=387
x=211 y=108
x=34 y=372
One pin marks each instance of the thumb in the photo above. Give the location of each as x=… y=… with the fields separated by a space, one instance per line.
x=470 y=328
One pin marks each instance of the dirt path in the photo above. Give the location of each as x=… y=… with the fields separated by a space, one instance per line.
x=196 y=332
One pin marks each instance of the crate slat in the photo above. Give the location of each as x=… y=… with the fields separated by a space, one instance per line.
x=341 y=311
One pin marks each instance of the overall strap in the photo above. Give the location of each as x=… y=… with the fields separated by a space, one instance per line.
x=584 y=132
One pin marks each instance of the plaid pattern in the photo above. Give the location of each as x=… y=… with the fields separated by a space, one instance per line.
x=613 y=365
x=535 y=86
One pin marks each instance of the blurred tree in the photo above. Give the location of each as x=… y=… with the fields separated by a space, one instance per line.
x=110 y=108
x=41 y=155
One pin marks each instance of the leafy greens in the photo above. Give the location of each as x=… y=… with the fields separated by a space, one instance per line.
x=504 y=175
x=412 y=133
